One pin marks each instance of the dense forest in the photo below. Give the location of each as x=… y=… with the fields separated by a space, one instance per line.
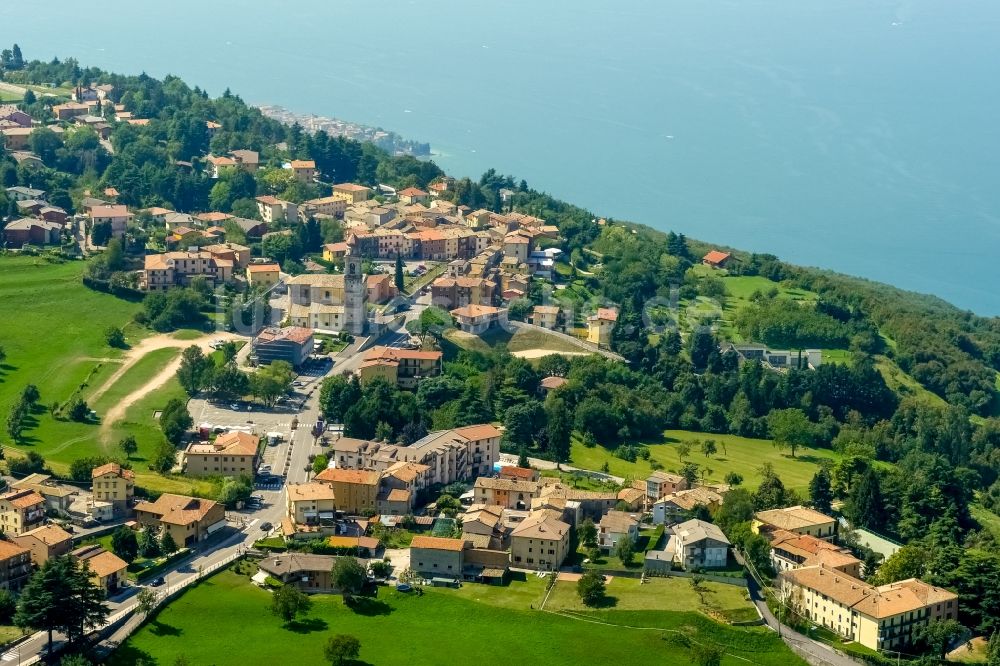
x=909 y=469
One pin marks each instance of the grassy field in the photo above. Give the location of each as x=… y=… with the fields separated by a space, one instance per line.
x=905 y=385
x=741 y=454
x=469 y=624
x=54 y=339
x=656 y=594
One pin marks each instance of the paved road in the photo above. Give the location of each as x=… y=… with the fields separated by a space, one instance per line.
x=539 y=463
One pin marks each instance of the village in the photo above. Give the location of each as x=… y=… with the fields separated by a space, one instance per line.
x=401 y=283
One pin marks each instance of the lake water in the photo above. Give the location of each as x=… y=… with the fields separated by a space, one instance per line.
x=857 y=135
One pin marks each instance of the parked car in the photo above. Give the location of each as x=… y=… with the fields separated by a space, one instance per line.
x=156 y=582
x=266 y=526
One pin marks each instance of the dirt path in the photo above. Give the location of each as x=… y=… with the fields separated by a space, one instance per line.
x=117 y=412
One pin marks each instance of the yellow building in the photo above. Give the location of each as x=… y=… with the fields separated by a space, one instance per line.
x=188 y=519
x=356 y=490
x=107 y=570
x=231 y=454
x=351 y=192
x=333 y=251
x=21 y=511
x=540 y=541
x=263 y=275
x=399 y=366
x=887 y=617
x=111 y=483
x=600 y=325
x=311 y=504
x=795 y=519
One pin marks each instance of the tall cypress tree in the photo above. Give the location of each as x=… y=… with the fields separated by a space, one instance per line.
x=820 y=493
x=864 y=506
x=400 y=281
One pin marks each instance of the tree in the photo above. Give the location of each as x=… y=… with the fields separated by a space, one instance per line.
x=193 y=373
x=79 y=410
x=591 y=588
x=587 y=533
x=115 y=337
x=790 y=428
x=149 y=545
x=8 y=606
x=558 y=427
x=380 y=568
x=145 y=601
x=74 y=660
x=320 y=463
x=771 y=493
x=16 y=59
x=288 y=602
x=175 y=420
x=993 y=649
x=167 y=543
x=342 y=649
x=124 y=544
x=708 y=448
x=129 y=446
x=61 y=597
x=625 y=551
x=100 y=233
x=910 y=561
x=522 y=458
x=399 y=280
x=864 y=506
x=383 y=432
x=348 y=576
x=938 y=636
x=30 y=394
x=690 y=473
x=683 y=450
x=734 y=478
x=820 y=492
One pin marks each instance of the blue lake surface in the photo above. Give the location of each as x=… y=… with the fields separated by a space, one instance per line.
x=856 y=135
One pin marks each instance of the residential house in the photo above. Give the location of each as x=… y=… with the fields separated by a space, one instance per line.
x=45 y=542
x=435 y=557
x=506 y=493
x=333 y=206
x=311 y=505
x=412 y=195
x=399 y=486
x=678 y=506
x=293 y=344
x=633 y=498
x=14 y=115
x=309 y=573
x=17 y=138
x=546 y=316
x=697 y=544
x=405 y=367
x=591 y=504
x=551 y=384
x=21 y=193
x=615 y=526
x=797 y=519
x=234 y=252
x=252 y=228
x=31 y=231
x=107 y=570
x=303 y=171
x=716 y=259
x=482 y=520
x=515 y=473
x=115 y=215
x=540 y=541
x=188 y=519
x=273 y=209
x=163 y=271
x=53 y=214
x=263 y=275
x=356 y=490
x=21 y=511
x=214 y=217
x=456 y=292
x=247 y=160
x=660 y=484
x=332 y=251
x=887 y=617
x=793 y=551
x=231 y=454
x=113 y=484
x=70 y=110
x=351 y=193
x=381 y=288
x=517 y=246
x=15 y=566
x=477 y=319
x=783 y=359
x=58 y=496
x=600 y=325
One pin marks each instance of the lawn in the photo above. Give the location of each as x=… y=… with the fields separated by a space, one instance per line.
x=140 y=374
x=656 y=594
x=528 y=341
x=474 y=624
x=905 y=385
x=740 y=454
x=54 y=338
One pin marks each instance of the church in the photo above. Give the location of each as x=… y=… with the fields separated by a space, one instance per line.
x=329 y=303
